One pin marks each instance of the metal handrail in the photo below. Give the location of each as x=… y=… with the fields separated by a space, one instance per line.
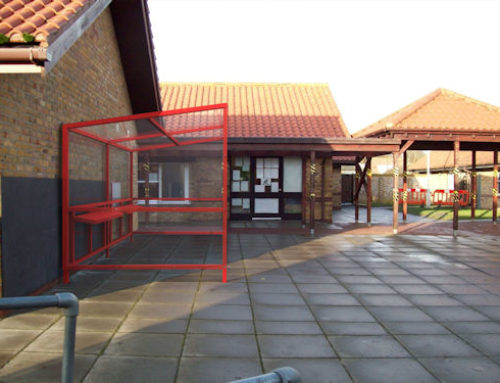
x=280 y=375
x=69 y=302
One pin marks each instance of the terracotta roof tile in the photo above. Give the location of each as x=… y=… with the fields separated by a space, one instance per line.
x=40 y=19
x=440 y=110
x=264 y=110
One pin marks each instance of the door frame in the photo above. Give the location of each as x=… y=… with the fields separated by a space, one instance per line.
x=251 y=194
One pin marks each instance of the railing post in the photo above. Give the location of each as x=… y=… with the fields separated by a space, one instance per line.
x=280 y=375
x=69 y=302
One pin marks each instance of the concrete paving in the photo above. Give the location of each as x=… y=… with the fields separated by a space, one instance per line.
x=338 y=308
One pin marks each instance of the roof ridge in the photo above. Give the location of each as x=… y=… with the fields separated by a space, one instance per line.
x=406 y=111
x=470 y=99
x=399 y=115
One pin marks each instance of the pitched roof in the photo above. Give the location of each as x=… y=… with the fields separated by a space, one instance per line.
x=264 y=109
x=37 y=21
x=441 y=110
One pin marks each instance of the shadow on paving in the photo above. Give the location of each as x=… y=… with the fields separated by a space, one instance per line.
x=338 y=308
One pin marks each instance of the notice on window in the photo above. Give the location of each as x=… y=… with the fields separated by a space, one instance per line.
x=244 y=186
x=235 y=186
x=260 y=188
x=246 y=203
x=275 y=187
x=246 y=164
x=236 y=175
x=236 y=202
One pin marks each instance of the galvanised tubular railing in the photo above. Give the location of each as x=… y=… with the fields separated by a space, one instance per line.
x=69 y=302
x=280 y=375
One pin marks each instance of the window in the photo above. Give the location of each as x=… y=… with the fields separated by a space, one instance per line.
x=166 y=180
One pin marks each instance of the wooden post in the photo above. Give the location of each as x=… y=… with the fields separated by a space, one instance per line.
x=357 y=178
x=405 y=186
x=395 y=193
x=456 y=197
x=369 y=191
x=473 y=186
x=495 y=186
x=323 y=186
x=304 y=191
x=312 y=195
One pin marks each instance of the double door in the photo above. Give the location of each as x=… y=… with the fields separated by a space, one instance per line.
x=266 y=187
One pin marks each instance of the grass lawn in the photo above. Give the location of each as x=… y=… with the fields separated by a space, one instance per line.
x=445 y=213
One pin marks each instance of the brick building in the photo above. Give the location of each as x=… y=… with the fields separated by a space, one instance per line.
x=60 y=61
x=272 y=129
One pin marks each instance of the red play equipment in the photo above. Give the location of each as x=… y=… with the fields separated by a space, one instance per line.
x=160 y=173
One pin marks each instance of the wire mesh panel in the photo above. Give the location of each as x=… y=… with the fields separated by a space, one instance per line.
x=152 y=174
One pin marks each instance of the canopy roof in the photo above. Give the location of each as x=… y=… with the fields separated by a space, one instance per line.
x=438 y=119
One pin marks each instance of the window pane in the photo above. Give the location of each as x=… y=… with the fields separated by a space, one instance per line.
x=292 y=174
x=173 y=180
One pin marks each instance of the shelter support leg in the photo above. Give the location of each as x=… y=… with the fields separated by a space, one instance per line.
x=456 y=148
x=495 y=186
x=395 y=193
x=369 y=191
x=473 y=187
x=312 y=195
x=405 y=186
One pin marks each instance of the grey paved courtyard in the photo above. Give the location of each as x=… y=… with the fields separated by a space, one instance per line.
x=337 y=308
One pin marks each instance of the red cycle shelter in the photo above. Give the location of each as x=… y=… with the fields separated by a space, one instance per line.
x=161 y=173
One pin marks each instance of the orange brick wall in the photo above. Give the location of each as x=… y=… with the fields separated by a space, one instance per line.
x=87 y=83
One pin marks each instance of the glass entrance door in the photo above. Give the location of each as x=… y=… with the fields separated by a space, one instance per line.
x=266 y=187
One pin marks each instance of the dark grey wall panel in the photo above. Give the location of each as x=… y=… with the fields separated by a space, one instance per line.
x=31 y=240
x=31 y=231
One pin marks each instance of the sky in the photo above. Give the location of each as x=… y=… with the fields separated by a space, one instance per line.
x=376 y=56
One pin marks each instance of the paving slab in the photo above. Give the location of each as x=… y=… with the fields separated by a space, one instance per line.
x=15 y=340
x=140 y=344
x=217 y=370
x=398 y=314
x=463 y=370
x=388 y=370
x=295 y=346
x=137 y=369
x=342 y=314
x=437 y=345
x=86 y=342
x=290 y=328
x=216 y=345
x=312 y=370
x=367 y=347
x=206 y=326
x=35 y=367
x=345 y=328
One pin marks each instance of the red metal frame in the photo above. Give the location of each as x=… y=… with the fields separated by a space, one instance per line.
x=104 y=212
